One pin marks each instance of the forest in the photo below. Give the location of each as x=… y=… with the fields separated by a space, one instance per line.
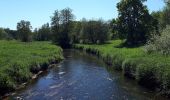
x=136 y=43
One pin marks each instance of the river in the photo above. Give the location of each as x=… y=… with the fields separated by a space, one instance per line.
x=82 y=76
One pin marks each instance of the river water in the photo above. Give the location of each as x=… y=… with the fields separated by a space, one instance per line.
x=82 y=76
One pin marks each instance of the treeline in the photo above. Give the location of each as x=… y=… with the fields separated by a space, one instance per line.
x=91 y=31
x=25 y=34
x=63 y=30
x=135 y=25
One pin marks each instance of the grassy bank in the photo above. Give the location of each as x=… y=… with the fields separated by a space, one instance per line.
x=150 y=70
x=20 y=61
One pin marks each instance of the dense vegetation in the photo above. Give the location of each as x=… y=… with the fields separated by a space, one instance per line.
x=151 y=70
x=141 y=51
x=160 y=43
x=19 y=61
x=92 y=31
x=63 y=30
x=134 y=22
x=24 y=31
x=61 y=27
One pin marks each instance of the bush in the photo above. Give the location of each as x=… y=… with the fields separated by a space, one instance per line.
x=160 y=44
x=146 y=74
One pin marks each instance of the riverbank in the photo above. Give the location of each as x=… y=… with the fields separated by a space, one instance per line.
x=150 y=70
x=20 y=62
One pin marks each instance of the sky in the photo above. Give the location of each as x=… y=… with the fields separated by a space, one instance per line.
x=38 y=12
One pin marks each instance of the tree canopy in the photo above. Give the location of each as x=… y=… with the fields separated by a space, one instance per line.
x=134 y=21
x=24 y=31
x=61 y=26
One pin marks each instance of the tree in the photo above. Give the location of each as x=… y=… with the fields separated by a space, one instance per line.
x=75 y=34
x=3 y=34
x=24 y=31
x=55 y=26
x=94 y=31
x=61 y=27
x=12 y=34
x=44 y=33
x=134 y=21
x=166 y=13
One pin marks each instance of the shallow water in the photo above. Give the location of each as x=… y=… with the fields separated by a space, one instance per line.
x=82 y=76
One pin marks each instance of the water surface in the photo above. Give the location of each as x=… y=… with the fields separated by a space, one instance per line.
x=83 y=77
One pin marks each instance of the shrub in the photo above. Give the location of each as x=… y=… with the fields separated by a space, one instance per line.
x=160 y=44
x=146 y=75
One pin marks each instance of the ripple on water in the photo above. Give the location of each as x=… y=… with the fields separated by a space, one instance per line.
x=61 y=73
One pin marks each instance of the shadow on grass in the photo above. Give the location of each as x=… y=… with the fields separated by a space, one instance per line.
x=129 y=45
x=108 y=42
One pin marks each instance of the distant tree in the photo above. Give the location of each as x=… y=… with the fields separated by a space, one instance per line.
x=61 y=27
x=55 y=26
x=3 y=34
x=134 y=21
x=24 y=31
x=75 y=36
x=158 y=19
x=35 y=34
x=44 y=33
x=12 y=34
x=114 y=29
x=166 y=13
x=94 y=31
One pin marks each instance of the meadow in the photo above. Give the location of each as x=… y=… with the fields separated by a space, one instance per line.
x=150 y=70
x=19 y=61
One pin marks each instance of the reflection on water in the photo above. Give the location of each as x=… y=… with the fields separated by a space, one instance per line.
x=82 y=77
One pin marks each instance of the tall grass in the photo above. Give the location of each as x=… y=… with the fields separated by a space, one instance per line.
x=151 y=70
x=19 y=61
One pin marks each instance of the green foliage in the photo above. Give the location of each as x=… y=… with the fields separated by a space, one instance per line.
x=61 y=27
x=166 y=13
x=163 y=16
x=94 y=31
x=134 y=22
x=129 y=67
x=3 y=34
x=158 y=16
x=77 y=27
x=6 y=84
x=160 y=44
x=151 y=70
x=43 y=34
x=11 y=34
x=24 y=31
x=20 y=60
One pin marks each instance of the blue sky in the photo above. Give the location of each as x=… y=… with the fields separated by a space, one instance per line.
x=38 y=12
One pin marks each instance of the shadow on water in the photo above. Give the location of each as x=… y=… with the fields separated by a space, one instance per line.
x=82 y=76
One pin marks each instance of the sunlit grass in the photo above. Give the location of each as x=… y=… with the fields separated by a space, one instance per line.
x=19 y=61
x=151 y=70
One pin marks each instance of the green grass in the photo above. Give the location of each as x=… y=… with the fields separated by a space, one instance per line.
x=19 y=61
x=150 y=70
